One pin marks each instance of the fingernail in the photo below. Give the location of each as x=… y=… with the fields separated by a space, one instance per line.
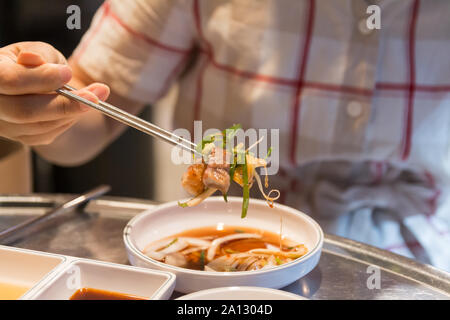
x=65 y=73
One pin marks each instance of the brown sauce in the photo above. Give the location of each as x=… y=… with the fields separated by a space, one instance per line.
x=196 y=260
x=97 y=294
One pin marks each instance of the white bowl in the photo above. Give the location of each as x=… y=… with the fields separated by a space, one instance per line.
x=168 y=219
x=82 y=273
x=241 y=293
x=26 y=269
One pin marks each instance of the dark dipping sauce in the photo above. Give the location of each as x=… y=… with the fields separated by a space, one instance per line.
x=97 y=294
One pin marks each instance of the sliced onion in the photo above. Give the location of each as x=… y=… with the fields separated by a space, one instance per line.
x=196 y=241
x=195 y=249
x=200 y=198
x=155 y=255
x=209 y=269
x=272 y=247
x=176 y=246
x=217 y=242
x=292 y=254
x=176 y=259
x=157 y=245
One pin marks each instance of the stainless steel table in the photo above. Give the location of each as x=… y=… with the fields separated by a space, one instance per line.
x=346 y=269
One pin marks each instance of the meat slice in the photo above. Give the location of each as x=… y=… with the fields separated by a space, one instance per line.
x=216 y=174
x=216 y=178
x=192 y=180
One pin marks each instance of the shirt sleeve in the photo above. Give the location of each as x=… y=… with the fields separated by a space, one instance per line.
x=137 y=47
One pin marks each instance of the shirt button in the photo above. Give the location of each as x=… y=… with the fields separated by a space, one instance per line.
x=362 y=27
x=354 y=109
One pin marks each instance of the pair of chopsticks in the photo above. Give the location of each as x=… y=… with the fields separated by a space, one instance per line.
x=131 y=120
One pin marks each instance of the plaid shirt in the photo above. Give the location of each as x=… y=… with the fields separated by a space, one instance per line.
x=363 y=114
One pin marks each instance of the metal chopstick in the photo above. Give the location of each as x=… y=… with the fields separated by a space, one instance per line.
x=5 y=235
x=131 y=120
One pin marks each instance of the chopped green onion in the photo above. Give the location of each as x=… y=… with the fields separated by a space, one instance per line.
x=246 y=190
x=183 y=204
x=202 y=258
x=229 y=134
x=171 y=243
x=278 y=260
x=241 y=157
x=232 y=168
x=268 y=153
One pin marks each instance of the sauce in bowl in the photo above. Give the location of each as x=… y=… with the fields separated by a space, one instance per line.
x=97 y=294
x=10 y=291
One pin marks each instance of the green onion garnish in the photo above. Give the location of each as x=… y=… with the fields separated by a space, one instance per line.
x=268 y=153
x=202 y=258
x=246 y=190
x=171 y=243
x=183 y=204
x=278 y=260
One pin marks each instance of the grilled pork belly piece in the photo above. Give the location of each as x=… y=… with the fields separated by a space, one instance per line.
x=216 y=178
x=192 y=180
x=216 y=174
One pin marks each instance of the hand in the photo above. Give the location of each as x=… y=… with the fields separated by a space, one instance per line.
x=29 y=112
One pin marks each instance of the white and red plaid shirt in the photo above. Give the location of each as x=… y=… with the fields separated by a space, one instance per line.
x=364 y=115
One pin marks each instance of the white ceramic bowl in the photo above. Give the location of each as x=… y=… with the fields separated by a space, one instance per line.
x=26 y=269
x=168 y=219
x=83 y=273
x=241 y=293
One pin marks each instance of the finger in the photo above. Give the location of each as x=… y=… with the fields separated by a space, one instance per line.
x=30 y=59
x=16 y=79
x=48 y=53
x=36 y=108
x=14 y=130
x=94 y=93
x=48 y=107
x=45 y=138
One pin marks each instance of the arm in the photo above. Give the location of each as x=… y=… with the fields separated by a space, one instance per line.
x=137 y=56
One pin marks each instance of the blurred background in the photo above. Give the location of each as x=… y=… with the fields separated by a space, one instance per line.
x=127 y=165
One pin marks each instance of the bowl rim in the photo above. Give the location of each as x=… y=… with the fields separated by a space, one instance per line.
x=195 y=294
x=131 y=246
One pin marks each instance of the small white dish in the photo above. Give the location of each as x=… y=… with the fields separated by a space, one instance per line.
x=241 y=293
x=24 y=270
x=168 y=219
x=144 y=283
